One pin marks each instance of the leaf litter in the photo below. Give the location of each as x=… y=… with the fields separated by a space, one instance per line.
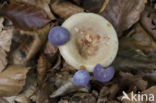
x=33 y=71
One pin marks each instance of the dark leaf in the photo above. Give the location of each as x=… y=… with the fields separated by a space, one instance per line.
x=123 y=13
x=43 y=4
x=25 y=16
x=92 y=5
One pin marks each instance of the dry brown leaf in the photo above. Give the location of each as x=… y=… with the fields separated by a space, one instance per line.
x=131 y=81
x=42 y=66
x=148 y=20
x=123 y=13
x=143 y=40
x=43 y=4
x=25 y=16
x=12 y=80
x=65 y=9
x=30 y=48
x=5 y=42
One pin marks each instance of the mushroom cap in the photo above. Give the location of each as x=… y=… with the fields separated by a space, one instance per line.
x=100 y=48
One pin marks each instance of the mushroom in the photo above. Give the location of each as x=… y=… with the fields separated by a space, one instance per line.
x=93 y=41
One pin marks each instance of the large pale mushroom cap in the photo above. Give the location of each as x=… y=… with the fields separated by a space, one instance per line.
x=93 y=41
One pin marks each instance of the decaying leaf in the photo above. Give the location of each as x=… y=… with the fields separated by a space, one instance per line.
x=108 y=93
x=151 y=76
x=5 y=42
x=12 y=80
x=65 y=9
x=44 y=92
x=42 y=68
x=132 y=81
x=25 y=16
x=148 y=20
x=122 y=16
x=39 y=38
x=43 y=4
x=25 y=96
x=143 y=40
x=92 y=5
x=126 y=64
x=135 y=51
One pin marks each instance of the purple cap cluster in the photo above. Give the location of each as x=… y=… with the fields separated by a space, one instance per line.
x=82 y=77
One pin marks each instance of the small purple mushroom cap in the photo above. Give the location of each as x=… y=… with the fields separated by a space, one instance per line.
x=103 y=75
x=58 y=36
x=81 y=77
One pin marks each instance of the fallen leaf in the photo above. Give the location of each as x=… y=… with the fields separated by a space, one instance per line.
x=65 y=9
x=127 y=64
x=32 y=47
x=92 y=5
x=12 y=80
x=5 y=42
x=24 y=16
x=43 y=4
x=42 y=67
x=122 y=16
x=143 y=40
x=130 y=80
x=148 y=21
x=3 y=100
x=29 y=89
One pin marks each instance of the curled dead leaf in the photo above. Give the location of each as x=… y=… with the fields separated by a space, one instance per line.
x=122 y=16
x=42 y=66
x=25 y=16
x=12 y=80
x=65 y=9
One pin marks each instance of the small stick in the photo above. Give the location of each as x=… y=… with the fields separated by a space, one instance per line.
x=104 y=6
